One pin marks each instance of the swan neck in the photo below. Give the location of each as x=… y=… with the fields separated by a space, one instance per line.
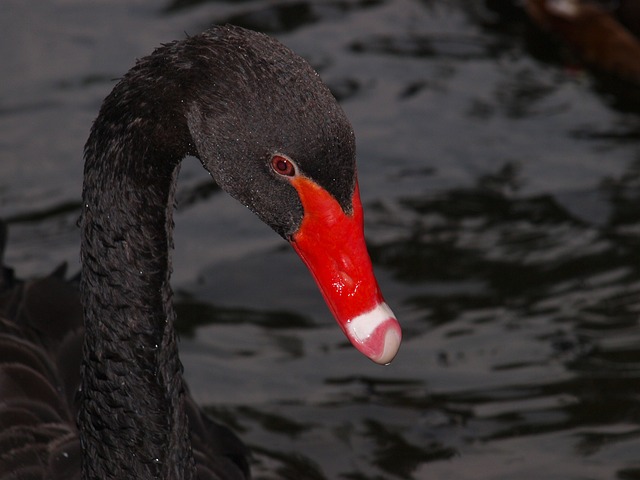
x=132 y=417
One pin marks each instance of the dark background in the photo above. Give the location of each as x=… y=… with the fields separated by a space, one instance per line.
x=501 y=187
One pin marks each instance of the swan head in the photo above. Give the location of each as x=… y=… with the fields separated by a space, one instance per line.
x=273 y=136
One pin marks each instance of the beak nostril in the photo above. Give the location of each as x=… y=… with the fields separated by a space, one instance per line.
x=346 y=263
x=347 y=280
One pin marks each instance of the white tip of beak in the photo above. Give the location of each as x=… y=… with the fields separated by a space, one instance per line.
x=376 y=334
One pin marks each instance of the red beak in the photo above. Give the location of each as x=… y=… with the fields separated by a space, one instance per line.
x=331 y=244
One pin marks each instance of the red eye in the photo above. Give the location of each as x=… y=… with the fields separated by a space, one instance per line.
x=283 y=166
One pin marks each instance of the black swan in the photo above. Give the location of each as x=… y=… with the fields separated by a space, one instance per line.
x=91 y=386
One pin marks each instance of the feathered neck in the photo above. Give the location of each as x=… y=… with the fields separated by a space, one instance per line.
x=132 y=419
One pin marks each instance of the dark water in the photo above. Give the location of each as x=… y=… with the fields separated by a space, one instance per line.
x=501 y=190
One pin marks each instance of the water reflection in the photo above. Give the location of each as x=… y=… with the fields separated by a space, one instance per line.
x=524 y=325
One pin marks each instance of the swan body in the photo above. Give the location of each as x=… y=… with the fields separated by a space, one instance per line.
x=91 y=386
